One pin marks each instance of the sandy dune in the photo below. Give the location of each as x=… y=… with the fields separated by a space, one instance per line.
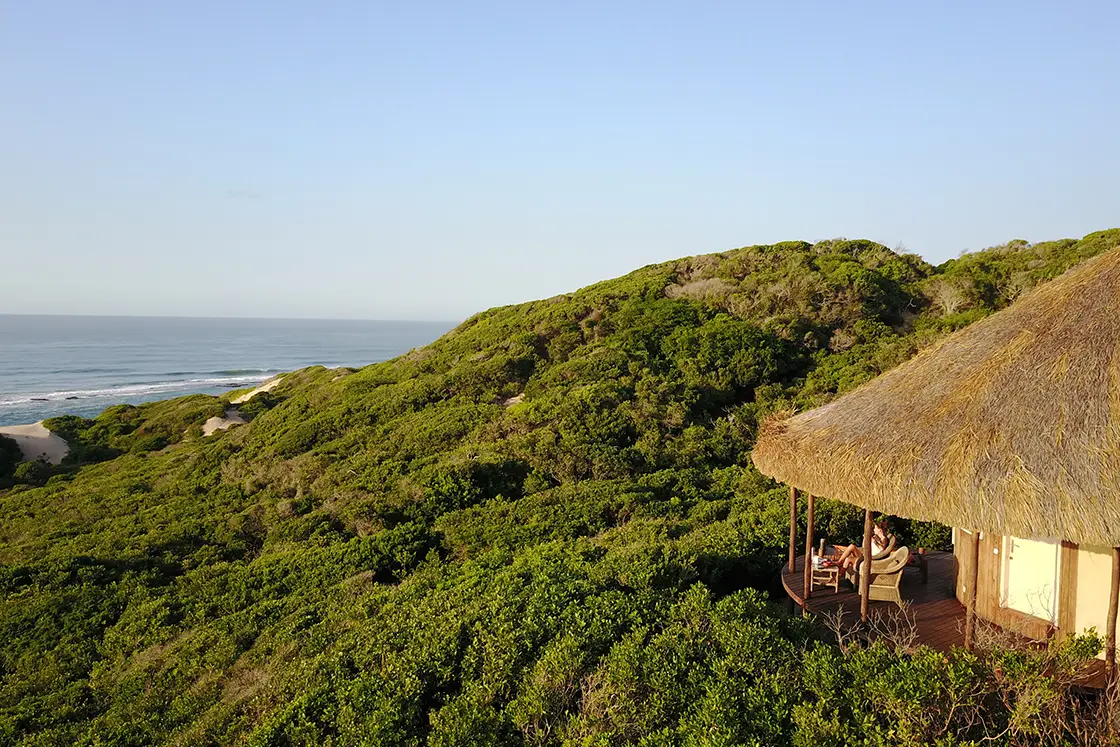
x=265 y=387
x=37 y=442
x=215 y=424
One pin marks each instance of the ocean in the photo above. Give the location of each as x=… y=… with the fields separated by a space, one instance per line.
x=55 y=365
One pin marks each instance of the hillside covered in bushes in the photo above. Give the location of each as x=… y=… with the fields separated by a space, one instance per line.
x=541 y=529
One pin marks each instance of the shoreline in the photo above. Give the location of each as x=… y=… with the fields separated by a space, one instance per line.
x=36 y=442
x=30 y=407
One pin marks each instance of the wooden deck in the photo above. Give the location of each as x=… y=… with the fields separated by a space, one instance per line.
x=938 y=615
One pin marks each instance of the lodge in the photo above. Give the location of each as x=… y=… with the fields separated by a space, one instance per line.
x=1008 y=431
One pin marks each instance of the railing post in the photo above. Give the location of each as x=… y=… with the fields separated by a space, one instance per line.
x=1113 y=599
x=970 y=593
x=810 y=510
x=865 y=567
x=792 y=529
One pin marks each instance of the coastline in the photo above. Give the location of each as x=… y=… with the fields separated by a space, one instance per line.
x=36 y=442
x=81 y=365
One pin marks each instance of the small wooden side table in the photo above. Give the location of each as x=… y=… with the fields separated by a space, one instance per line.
x=829 y=576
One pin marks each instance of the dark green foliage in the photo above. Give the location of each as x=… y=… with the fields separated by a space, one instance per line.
x=258 y=404
x=32 y=472
x=10 y=456
x=544 y=528
x=927 y=534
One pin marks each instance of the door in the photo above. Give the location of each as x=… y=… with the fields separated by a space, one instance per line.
x=1029 y=582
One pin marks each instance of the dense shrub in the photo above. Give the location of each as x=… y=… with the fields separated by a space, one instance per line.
x=32 y=472
x=10 y=456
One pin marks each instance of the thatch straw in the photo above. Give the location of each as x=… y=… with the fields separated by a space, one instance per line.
x=1011 y=425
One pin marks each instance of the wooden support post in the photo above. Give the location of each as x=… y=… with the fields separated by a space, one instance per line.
x=810 y=511
x=971 y=579
x=1067 y=588
x=792 y=530
x=1113 y=599
x=865 y=567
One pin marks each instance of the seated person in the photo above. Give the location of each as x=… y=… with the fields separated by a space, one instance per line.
x=851 y=555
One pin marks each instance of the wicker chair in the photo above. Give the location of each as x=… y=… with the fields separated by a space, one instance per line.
x=886 y=575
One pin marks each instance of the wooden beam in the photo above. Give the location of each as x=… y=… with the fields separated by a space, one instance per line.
x=972 y=578
x=1067 y=588
x=810 y=515
x=1113 y=598
x=865 y=567
x=987 y=580
x=792 y=529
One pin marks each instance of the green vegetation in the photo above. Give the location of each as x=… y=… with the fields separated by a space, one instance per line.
x=542 y=529
x=134 y=428
x=10 y=456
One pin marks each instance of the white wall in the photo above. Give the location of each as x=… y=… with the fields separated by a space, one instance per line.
x=1029 y=577
x=1094 y=579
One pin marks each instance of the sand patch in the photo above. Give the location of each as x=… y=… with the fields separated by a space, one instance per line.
x=215 y=424
x=36 y=442
x=265 y=387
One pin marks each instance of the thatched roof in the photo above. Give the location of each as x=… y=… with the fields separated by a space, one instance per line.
x=1011 y=425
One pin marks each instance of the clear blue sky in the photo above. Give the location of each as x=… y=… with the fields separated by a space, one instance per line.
x=430 y=159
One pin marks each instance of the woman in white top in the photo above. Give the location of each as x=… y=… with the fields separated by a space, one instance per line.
x=851 y=555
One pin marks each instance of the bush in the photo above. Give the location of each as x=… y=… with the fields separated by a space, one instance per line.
x=33 y=472
x=10 y=456
x=261 y=402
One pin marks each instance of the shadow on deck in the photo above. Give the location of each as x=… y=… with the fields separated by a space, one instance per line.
x=937 y=613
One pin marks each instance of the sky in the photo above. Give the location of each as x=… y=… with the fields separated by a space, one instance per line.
x=426 y=160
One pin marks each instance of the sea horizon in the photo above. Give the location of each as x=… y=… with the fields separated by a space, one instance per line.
x=233 y=318
x=80 y=364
